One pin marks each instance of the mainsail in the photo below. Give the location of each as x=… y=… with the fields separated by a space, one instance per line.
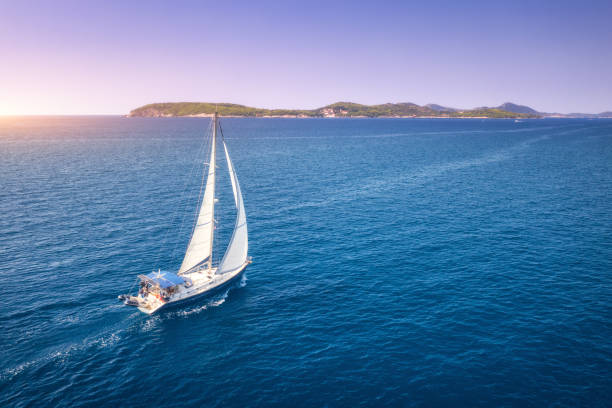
x=200 y=245
x=237 y=250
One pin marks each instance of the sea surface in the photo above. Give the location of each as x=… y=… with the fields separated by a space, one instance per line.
x=397 y=262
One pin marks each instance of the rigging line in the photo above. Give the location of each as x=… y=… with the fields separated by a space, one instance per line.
x=184 y=195
x=208 y=142
x=200 y=199
x=175 y=214
x=221 y=129
x=178 y=207
x=199 y=203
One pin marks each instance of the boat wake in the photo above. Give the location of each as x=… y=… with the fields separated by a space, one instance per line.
x=113 y=336
x=215 y=301
x=102 y=341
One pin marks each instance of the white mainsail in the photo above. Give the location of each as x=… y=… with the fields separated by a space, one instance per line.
x=237 y=250
x=200 y=245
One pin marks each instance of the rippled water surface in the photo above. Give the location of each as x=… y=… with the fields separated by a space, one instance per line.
x=396 y=263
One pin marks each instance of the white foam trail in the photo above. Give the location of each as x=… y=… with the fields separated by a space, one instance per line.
x=112 y=337
x=70 y=319
x=106 y=341
x=150 y=324
x=60 y=356
x=12 y=372
x=215 y=301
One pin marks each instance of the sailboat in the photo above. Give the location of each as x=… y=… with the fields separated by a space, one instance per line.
x=198 y=276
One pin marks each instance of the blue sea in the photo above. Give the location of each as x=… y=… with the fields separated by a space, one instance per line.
x=397 y=263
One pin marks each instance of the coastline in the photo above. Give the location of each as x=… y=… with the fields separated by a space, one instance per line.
x=340 y=110
x=335 y=110
x=335 y=117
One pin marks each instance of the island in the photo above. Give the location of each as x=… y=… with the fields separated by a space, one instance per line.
x=335 y=110
x=506 y=110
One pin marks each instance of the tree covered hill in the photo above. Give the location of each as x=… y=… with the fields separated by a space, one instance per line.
x=512 y=107
x=338 y=109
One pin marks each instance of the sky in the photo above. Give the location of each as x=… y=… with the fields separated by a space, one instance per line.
x=109 y=57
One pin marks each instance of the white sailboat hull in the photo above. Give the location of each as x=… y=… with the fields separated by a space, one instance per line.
x=202 y=287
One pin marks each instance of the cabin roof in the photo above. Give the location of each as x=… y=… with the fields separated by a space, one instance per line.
x=163 y=279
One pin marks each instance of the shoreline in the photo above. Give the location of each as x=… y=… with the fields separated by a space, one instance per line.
x=343 y=117
x=335 y=110
x=351 y=110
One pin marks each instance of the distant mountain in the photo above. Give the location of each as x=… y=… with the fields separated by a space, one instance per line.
x=440 y=108
x=512 y=107
x=335 y=110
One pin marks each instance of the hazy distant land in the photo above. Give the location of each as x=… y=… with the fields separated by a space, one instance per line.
x=348 y=109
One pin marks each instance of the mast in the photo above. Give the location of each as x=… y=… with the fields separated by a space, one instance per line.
x=212 y=229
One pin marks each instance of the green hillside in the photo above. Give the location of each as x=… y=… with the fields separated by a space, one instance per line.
x=338 y=109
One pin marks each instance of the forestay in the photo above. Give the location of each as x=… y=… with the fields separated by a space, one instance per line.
x=236 y=254
x=200 y=245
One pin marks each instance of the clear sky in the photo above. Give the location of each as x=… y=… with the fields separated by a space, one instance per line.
x=106 y=57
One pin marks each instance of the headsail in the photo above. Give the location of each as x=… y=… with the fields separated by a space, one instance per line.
x=237 y=250
x=200 y=245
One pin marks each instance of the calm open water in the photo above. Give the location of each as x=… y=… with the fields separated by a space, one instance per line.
x=396 y=263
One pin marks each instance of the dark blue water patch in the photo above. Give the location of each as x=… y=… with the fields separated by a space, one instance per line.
x=396 y=263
